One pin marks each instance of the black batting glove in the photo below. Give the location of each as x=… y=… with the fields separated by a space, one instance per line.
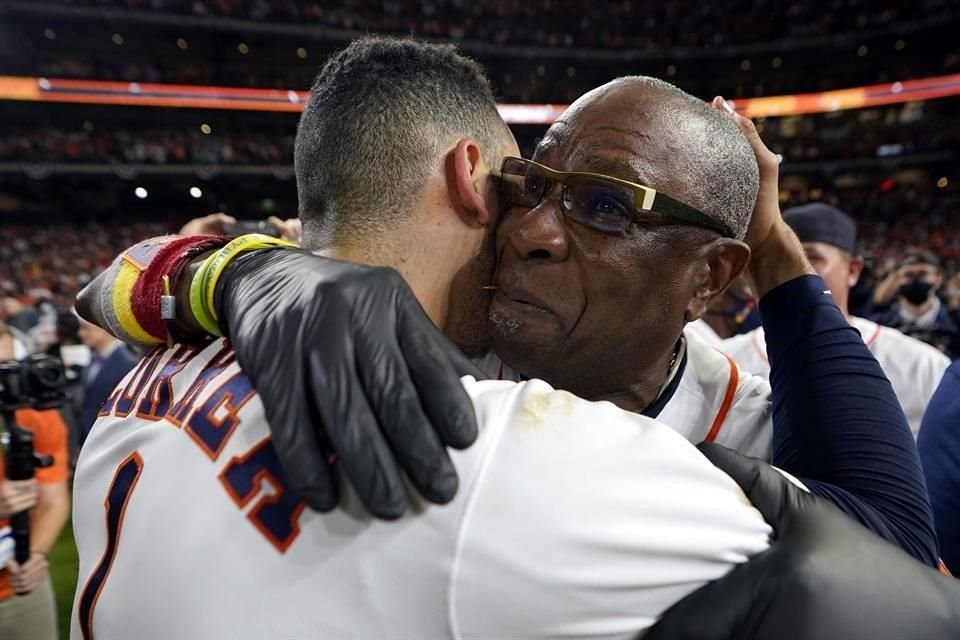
x=825 y=576
x=346 y=362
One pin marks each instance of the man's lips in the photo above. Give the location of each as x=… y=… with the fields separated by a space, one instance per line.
x=521 y=300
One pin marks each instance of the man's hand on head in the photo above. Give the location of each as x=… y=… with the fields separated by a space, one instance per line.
x=776 y=254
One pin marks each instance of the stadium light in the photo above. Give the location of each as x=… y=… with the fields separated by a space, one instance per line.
x=140 y=192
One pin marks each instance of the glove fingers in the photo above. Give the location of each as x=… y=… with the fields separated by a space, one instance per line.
x=363 y=453
x=436 y=366
x=296 y=429
x=396 y=402
x=769 y=491
x=304 y=462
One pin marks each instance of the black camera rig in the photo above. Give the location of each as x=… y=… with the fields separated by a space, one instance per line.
x=34 y=383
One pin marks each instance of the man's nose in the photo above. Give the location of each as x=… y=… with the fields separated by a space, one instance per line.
x=539 y=232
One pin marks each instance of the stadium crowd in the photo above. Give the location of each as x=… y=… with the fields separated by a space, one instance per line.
x=615 y=25
x=159 y=146
x=881 y=133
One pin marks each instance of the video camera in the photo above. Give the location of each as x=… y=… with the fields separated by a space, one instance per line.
x=34 y=383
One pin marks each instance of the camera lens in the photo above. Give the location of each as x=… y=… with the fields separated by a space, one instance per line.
x=45 y=373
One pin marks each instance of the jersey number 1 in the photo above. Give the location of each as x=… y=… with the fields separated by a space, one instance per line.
x=118 y=496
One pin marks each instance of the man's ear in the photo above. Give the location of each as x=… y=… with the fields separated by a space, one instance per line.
x=723 y=261
x=468 y=176
x=856 y=268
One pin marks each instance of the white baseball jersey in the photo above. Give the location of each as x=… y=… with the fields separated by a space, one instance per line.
x=572 y=519
x=704 y=331
x=715 y=401
x=913 y=367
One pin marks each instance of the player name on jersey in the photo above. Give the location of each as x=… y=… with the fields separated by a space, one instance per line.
x=149 y=395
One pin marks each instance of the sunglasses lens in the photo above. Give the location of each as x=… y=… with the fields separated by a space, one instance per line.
x=522 y=184
x=602 y=205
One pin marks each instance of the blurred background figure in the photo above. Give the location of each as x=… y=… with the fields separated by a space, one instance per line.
x=110 y=361
x=19 y=321
x=76 y=358
x=939 y=446
x=829 y=237
x=27 y=607
x=733 y=313
x=907 y=299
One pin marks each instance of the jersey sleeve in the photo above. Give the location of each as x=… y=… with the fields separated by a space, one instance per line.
x=586 y=519
x=49 y=438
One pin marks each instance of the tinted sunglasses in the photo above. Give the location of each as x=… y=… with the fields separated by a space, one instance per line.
x=597 y=201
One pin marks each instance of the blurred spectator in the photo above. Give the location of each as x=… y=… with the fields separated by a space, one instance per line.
x=143 y=146
x=76 y=357
x=907 y=300
x=62 y=258
x=110 y=361
x=20 y=320
x=571 y=23
x=32 y=614
x=939 y=447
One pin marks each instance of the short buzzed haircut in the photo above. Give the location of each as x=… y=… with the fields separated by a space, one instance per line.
x=717 y=160
x=380 y=114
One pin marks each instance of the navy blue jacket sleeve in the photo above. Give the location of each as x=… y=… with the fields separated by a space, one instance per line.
x=837 y=423
x=939 y=445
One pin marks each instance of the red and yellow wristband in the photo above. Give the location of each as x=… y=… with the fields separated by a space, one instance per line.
x=131 y=295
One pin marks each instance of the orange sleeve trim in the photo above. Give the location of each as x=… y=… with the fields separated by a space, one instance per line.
x=943 y=569
x=873 y=338
x=732 y=384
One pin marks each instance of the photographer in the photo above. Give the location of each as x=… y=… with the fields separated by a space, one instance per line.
x=27 y=606
x=907 y=300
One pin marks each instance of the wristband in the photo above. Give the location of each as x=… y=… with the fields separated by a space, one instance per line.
x=112 y=314
x=204 y=284
x=169 y=260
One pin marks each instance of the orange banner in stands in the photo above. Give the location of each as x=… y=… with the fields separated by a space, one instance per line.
x=202 y=97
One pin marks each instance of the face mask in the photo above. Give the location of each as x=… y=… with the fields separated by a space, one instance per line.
x=916 y=291
x=745 y=314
